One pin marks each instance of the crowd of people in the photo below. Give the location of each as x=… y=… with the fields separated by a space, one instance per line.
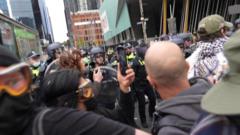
x=190 y=83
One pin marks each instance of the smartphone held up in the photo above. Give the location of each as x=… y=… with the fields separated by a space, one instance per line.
x=122 y=59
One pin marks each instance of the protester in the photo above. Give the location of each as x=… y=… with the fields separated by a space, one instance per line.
x=222 y=101
x=167 y=73
x=57 y=89
x=19 y=116
x=63 y=89
x=72 y=60
x=208 y=60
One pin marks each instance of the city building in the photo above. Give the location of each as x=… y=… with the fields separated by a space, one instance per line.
x=73 y=6
x=43 y=21
x=22 y=11
x=86 y=28
x=4 y=7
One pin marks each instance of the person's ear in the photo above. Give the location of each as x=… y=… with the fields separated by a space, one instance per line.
x=222 y=31
x=152 y=82
x=187 y=66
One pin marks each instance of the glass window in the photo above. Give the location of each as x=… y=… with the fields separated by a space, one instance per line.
x=7 y=37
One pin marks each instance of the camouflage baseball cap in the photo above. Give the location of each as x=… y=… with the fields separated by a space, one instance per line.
x=227 y=24
x=212 y=24
x=224 y=97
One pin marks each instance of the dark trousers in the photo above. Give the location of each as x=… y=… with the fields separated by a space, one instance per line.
x=140 y=93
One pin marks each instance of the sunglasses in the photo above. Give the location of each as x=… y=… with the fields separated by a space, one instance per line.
x=15 y=80
x=85 y=91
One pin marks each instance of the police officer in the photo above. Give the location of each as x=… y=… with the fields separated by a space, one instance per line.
x=186 y=49
x=109 y=86
x=130 y=56
x=237 y=24
x=54 y=51
x=37 y=67
x=187 y=39
x=34 y=61
x=142 y=86
x=129 y=53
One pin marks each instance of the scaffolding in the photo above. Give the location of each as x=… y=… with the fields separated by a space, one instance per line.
x=193 y=11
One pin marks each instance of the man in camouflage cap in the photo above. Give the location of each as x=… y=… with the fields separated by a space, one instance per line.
x=222 y=101
x=212 y=24
x=208 y=60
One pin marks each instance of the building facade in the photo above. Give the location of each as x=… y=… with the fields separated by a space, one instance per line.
x=73 y=6
x=43 y=21
x=22 y=11
x=86 y=28
x=4 y=7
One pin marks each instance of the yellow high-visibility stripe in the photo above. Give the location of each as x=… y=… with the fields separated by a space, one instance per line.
x=35 y=72
x=142 y=63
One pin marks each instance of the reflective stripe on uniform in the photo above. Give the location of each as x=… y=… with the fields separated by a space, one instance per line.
x=35 y=72
x=142 y=63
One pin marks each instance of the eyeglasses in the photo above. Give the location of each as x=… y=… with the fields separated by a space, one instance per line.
x=15 y=80
x=85 y=91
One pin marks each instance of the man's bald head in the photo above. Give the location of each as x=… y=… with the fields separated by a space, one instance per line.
x=165 y=63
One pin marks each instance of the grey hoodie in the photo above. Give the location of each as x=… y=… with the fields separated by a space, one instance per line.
x=176 y=116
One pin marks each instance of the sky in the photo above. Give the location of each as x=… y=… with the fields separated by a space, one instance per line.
x=56 y=13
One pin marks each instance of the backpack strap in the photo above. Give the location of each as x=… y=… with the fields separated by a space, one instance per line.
x=157 y=116
x=37 y=128
x=205 y=122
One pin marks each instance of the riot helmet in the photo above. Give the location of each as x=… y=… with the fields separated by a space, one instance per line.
x=141 y=50
x=98 y=55
x=237 y=24
x=128 y=48
x=54 y=49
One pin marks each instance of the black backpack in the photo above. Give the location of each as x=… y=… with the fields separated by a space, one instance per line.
x=37 y=128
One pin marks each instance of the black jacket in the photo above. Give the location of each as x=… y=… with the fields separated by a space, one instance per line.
x=124 y=112
x=65 y=121
x=140 y=73
x=177 y=116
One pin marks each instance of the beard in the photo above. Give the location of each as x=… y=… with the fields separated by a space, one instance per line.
x=15 y=113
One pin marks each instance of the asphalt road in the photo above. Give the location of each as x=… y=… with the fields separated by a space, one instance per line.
x=137 y=118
